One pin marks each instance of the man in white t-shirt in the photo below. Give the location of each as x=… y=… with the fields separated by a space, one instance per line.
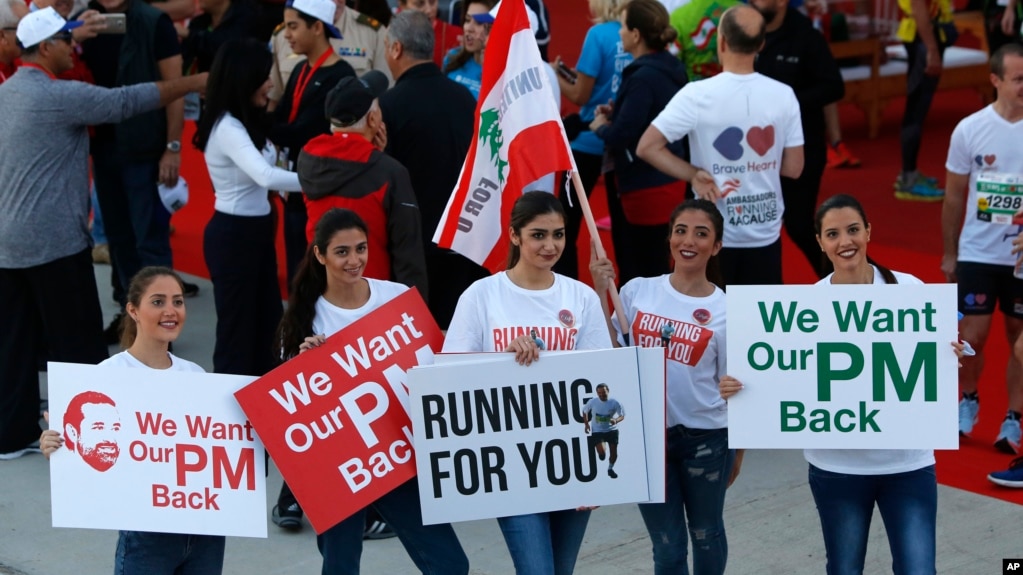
x=978 y=251
x=744 y=134
x=601 y=416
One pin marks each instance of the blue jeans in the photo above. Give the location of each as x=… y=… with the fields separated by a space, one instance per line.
x=433 y=548
x=698 y=464
x=145 y=553
x=909 y=507
x=99 y=236
x=545 y=543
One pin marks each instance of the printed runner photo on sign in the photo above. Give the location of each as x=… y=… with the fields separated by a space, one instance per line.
x=602 y=414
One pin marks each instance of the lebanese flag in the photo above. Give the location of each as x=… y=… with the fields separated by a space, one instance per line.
x=518 y=139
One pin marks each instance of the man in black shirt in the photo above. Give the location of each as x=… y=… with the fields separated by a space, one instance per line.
x=299 y=116
x=797 y=55
x=132 y=157
x=429 y=122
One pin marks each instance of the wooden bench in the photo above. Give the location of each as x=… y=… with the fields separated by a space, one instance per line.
x=871 y=86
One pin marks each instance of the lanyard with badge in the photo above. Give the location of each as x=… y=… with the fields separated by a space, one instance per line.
x=304 y=77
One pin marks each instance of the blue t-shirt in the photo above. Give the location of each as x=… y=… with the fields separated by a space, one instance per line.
x=469 y=75
x=603 y=59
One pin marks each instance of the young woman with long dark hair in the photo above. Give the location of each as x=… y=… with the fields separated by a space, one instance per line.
x=328 y=294
x=699 y=466
x=238 y=243
x=530 y=296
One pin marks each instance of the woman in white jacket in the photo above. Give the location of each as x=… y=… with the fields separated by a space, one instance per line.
x=239 y=240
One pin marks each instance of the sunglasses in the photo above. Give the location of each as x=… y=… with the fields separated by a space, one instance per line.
x=64 y=36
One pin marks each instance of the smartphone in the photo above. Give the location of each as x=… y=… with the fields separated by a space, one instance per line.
x=115 y=24
x=567 y=73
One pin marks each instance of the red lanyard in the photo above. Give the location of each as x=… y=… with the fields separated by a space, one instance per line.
x=303 y=80
x=38 y=67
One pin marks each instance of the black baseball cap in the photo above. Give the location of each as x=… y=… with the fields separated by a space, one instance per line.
x=352 y=97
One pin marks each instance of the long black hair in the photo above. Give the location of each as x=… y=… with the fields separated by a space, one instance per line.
x=311 y=281
x=717 y=220
x=528 y=207
x=240 y=67
x=836 y=203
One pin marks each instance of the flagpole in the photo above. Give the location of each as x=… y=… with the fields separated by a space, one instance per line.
x=591 y=224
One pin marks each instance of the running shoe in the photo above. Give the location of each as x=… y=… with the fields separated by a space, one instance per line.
x=289 y=518
x=1008 y=437
x=1011 y=477
x=920 y=189
x=839 y=156
x=968 y=409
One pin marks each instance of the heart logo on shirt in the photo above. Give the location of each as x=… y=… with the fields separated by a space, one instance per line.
x=981 y=298
x=760 y=139
x=729 y=143
x=738 y=209
x=989 y=159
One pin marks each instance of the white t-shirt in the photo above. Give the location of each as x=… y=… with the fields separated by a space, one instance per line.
x=984 y=142
x=871 y=461
x=493 y=311
x=125 y=359
x=240 y=173
x=696 y=351
x=602 y=412
x=738 y=126
x=331 y=319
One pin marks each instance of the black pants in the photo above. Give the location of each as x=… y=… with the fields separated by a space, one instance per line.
x=640 y=251
x=448 y=274
x=589 y=171
x=295 y=243
x=920 y=90
x=54 y=307
x=239 y=252
x=752 y=266
x=135 y=221
x=800 y=196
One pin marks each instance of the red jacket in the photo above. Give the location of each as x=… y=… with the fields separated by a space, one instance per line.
x=347 y=171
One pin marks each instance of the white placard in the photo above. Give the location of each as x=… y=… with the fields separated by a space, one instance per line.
x=163 y=451
x=494 y=438
x=843 y=366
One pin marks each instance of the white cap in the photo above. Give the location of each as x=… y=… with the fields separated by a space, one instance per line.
x=322 y=10
x=174 y=198
x=489 y=17
x=41 y=25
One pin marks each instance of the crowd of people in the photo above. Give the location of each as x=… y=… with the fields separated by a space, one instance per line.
x=313 y=126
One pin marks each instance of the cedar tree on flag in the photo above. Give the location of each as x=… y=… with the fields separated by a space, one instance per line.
x=518 y=139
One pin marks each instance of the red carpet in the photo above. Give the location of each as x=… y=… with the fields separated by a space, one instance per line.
x=905 y=236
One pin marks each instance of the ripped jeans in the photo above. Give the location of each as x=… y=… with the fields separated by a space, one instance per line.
x=698 y=464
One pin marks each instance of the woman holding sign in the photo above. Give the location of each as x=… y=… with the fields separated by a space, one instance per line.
x=847 y=483
x=529 y=297
x=684 y=312
x=330 y=293
x=154 y=318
